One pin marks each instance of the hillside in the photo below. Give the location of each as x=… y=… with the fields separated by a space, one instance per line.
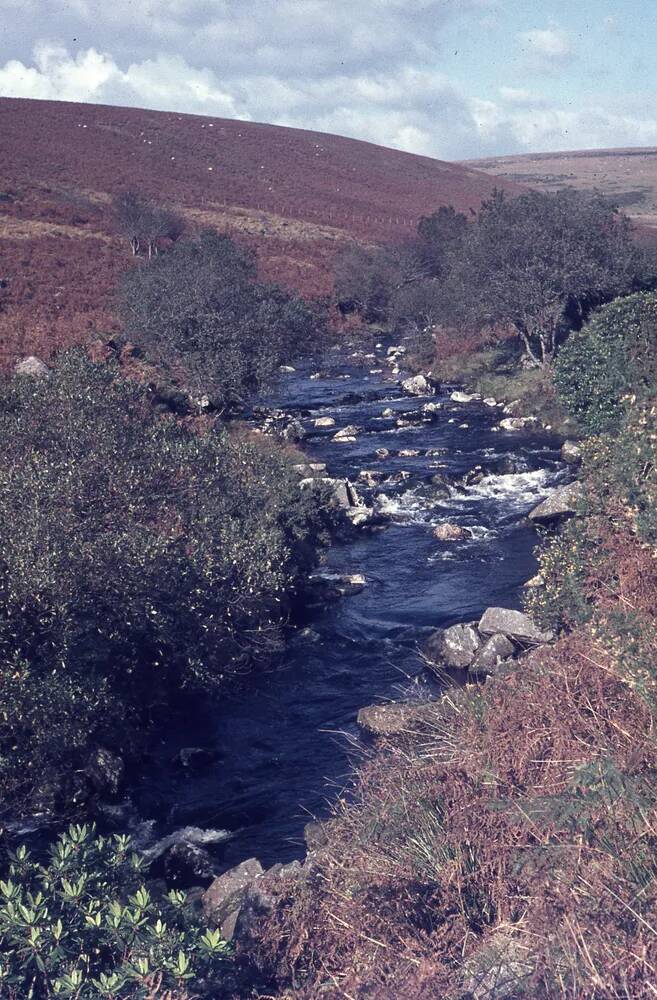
x=296 y=196
x=628 y=176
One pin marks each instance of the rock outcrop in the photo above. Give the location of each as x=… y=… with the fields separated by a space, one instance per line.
x=514 y=625
x=561 y=503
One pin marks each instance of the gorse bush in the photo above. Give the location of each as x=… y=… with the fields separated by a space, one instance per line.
x=612 y=357
x=136 y=556
x=199 y=313
x=83 y=925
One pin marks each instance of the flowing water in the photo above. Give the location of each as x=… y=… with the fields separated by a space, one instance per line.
x=282 y=744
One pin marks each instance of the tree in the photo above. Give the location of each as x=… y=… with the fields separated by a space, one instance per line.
x=541 y=262
x=143 y=222
x=201 y=315
x=439 y=237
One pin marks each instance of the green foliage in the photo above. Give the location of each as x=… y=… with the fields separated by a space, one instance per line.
x=613 y=356
x=84 y=926
x=136 y=556
x=199 y=313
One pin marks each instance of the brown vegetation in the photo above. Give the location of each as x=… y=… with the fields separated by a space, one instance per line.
x=294 y=196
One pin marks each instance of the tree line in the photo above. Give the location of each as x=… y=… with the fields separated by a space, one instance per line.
x=536 y=264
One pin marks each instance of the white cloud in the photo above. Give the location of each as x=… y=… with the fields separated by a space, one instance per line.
x=165 y=83
x=545 y=49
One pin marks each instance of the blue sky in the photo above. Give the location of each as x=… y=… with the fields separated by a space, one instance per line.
x=448 y=78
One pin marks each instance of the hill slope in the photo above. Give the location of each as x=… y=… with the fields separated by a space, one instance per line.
x=628 y=176
x=296 y=196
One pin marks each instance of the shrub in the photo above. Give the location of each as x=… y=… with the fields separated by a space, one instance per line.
x=199 y=313
x=136 y=556
x=613 y=356
x=84 y=925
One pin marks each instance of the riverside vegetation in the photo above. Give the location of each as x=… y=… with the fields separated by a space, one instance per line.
x=501 y=844
x=148 y=549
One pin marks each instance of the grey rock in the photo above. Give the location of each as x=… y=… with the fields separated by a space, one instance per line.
x=324 y=422
x=105 y=771
x=293 y=432
x=571 y=453
x=34 y=367
x=223 y=899
x=418 y=385
x=464 y=397
x=185 y=862
x=347 y=433
x=455 y=646
x=514 y=625
x=447 y=532
x=561 y=503
x=517 y=423
x=494 y=650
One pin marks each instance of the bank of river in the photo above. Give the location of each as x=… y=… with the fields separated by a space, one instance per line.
x=281 y=746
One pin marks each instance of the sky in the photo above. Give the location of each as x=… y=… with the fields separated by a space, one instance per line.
x=454 y=79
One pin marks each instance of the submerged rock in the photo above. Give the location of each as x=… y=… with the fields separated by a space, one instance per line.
x=105 y=771
x=514 y=625
x=324 y=422
x=447 y=532
x=187 y=862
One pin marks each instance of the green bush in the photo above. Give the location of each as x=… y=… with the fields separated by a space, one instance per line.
x=200 y=315
x=612 y=357
x=84 y=925
x=136 y=556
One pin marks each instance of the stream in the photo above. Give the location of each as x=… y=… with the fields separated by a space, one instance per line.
x=283 y=744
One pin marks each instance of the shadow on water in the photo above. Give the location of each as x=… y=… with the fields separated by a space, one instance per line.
x=281 y=744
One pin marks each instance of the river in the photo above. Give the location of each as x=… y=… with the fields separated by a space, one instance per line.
x=283 y=744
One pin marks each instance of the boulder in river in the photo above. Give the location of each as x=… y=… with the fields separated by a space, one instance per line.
x=495 y=649
x=571 y=453
x=561 y=503
x=286 y=369
x=186 y=862
x=418 y=385
x=517 y=423
x=464 y=397
x=324 y=422
x=381 y=453
x=455 y=646
x=347 y=433
x=447 y=532
x=194 y=758
x=514 y=625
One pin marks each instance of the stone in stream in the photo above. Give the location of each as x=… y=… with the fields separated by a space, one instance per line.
x=331 y=586
x=187 y=862
x=193 y=758
x=447 y=532
x=408 y=453
x=388 y=412
x=371 y=477
x=347 y=433
x=517 y=423
x=514 y=625
x=286 y=369
x=455 y=646
x=418 y=385
x=465 y=397
x=381 y=453
x=495 y=649
x=324 y=422
x=561 y=503
x=571 y=453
